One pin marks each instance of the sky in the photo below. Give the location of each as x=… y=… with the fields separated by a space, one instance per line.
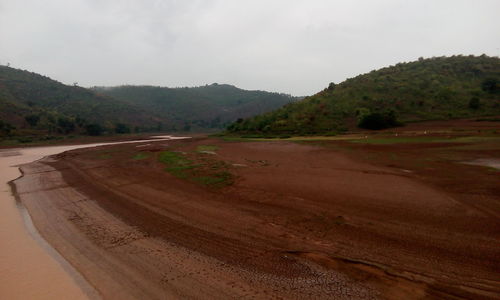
x=290 y=46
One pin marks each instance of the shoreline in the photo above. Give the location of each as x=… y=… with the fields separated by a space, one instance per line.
x=29 y=260
x=29 y=270
x=77 y=277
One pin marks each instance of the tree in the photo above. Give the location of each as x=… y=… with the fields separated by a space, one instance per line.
x=474 y=103
x=331 y=86
x=379 y=120
x=66 y=125
x=32 y=120
x=490 y=85
x=6 y=128
x=94 y=129
x=122 y=128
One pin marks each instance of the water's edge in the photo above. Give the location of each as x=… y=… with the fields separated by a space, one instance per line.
x=78 y=280
x=75 y=275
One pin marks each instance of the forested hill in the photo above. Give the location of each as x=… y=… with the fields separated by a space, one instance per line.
x=31 y=103
x=427 y=89
x=210 y=106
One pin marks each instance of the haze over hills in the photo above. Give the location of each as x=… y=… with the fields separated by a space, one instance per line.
x=427 y=89
x=209 y=106
x=34 y=104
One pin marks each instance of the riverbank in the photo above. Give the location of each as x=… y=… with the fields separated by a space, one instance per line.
x=31 y=268
x=28 y=269
x=297 y=221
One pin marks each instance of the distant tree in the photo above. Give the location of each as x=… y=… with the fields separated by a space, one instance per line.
x=32 y=119
x=474 y=103
x=490 y=85
x=379 y=120
x=94 y=129
x=66 y=125
x=121 y=128
x=331 y=86
x=80 y=121
x=6 y=128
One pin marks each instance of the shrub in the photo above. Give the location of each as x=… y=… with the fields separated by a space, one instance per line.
x=94 y=129
x=379 y=120
x=474 y=103
x=122 y=128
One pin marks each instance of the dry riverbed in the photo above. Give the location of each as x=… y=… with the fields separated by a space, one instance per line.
x=211 y=219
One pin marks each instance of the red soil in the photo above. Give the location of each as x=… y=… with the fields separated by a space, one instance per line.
x=300 y=222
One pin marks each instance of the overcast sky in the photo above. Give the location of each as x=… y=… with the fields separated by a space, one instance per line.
x=291 y=46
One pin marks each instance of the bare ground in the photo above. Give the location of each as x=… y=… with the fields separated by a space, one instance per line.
x=299 y=222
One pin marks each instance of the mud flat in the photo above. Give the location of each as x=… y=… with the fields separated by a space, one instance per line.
x=29 y=267
x=295 y=222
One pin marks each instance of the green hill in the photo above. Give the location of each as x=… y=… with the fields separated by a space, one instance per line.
x=210 y=106
x=427 y=89
x=32 y=103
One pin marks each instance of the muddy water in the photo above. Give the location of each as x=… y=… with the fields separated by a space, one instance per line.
x=485 y=162
x=29 y=267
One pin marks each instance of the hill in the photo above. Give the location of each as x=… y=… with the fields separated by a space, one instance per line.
x=209 y=106
x=427 y=89
x=32 y=103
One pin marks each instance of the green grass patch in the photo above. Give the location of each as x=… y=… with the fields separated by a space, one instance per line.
x=399 y=140
x=177 y=163
x=477 y=139
x=219 y=179
x=207 y=148
x=141 y=156
x=200 y=169
x=175 y=159
x=249 y=138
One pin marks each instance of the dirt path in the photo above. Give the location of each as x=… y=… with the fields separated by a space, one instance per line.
x=299 y=222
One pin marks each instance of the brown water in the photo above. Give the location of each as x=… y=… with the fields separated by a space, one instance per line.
x=486 y=162
x=29 y=267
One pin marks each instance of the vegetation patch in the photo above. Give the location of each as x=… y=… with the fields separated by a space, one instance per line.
x=218 y=179
x=400 y=140
x=292 y=138
x=426 y=139
x=104 y=156
x=198 y=168
x=141 y=156
x=207 y=148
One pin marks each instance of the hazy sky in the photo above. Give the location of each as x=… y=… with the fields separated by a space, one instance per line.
x=291 y=46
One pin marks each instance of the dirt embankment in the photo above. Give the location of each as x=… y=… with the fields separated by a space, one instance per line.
x=299 y=222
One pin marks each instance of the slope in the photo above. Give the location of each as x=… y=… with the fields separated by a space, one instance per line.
x=32 y=101
x=209 y=106
x=427 y=89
